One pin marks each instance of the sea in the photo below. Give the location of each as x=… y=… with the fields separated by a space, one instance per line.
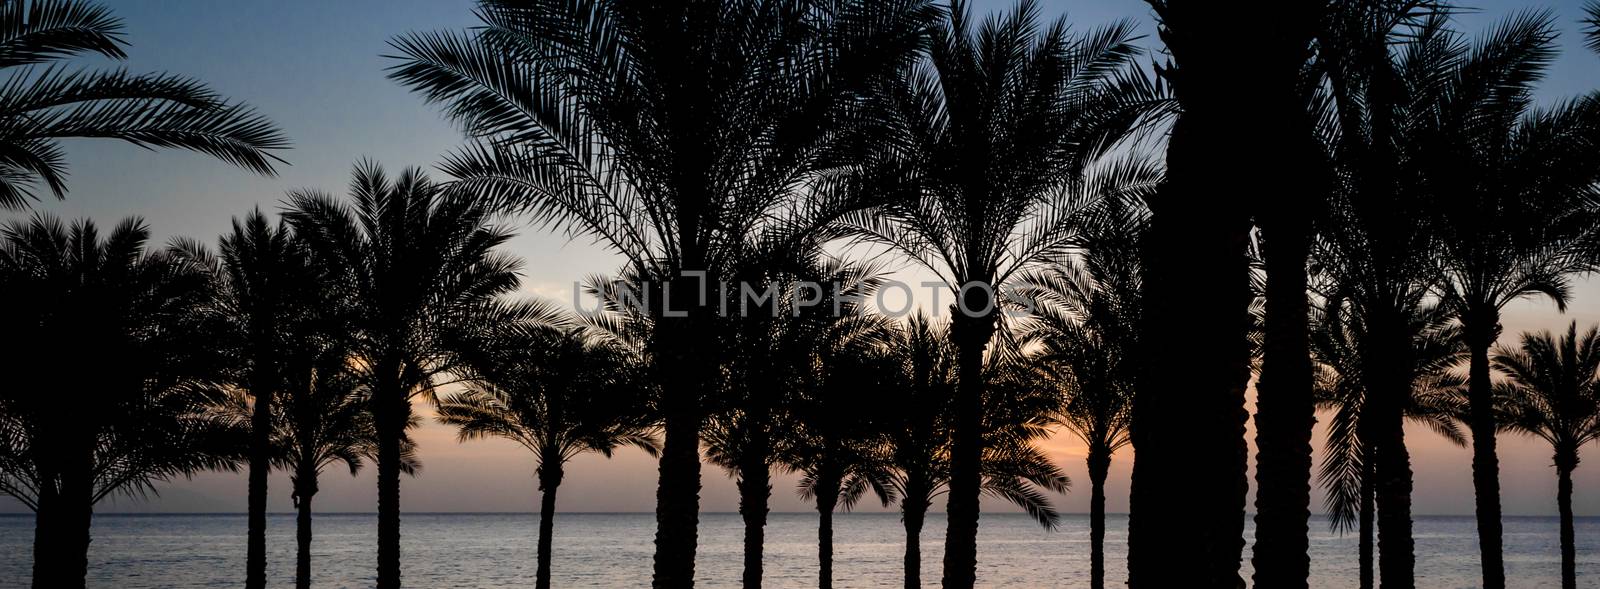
x=497 y=550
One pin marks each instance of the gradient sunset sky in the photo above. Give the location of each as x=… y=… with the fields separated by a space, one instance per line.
x=316 y=68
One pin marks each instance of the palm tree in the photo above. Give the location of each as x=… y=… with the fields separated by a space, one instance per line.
x=414 y=263
x=558 y=390
x=988 y=133
x=263 y=284
x=1552 y=391
x=1188 y=418
x=1436 y=401
x=834 y=355
x=668 y=132
x=140 y=416
x=771 y=352
x=1084 y=320
x=919 y=439
x=1397 y=87
x=919 y=402
x=1515 y=188
x=43 y=102
x=321 y=419
x=1284 y=83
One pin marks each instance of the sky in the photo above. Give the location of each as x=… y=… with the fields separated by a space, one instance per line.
x=316 y=68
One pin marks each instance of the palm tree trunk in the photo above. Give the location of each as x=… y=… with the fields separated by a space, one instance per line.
x=75 y=539
x=1099 y=467
x=45 y=531
x=305 y=487
x=680 y=356
x=1396 y=556
x=1186 y=521
x=1566 y=462
x=971 y=335
x=1285 y=412
x=678 y=501
x=61 y=533
x=827 y=497
x=755 y=490
x=913 y=512
x=260 y=463
x=390 y=416
x=550 y=473
x=1368 y=511
x=1480 y=326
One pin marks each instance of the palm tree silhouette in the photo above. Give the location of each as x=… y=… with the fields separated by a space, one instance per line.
x=1552 y=392
x=1513 y=186
x=556 y=388
x=414 y=263
x=43 y=102
x=144 y=415
x=834 y=443
x=1397 y=86
x=986 y=134
x=1083 y=332
x=668 y=132
x=321 y=419
x=772 y=347
x=1436 y=401
x=920 y=405
x=262 y=281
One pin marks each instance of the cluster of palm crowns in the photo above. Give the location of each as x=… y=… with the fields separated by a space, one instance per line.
x=1402 y=187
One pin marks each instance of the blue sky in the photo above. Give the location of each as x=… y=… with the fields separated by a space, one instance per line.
x=316 y=68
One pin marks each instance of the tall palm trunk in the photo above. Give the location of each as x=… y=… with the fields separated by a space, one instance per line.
x=61 y=535
x=681 y=354
x=1481 y=325
x=1285 y=411
x=971 y=335
x=390 y=415
x=1566 y=462
x=1099 y=466
x=914 y=512
x=550 y=473
x=1186 y=523
x=755 y=490
x=260 y=464
x=45 y=530
x=827 y=491
x=1396 y=556
x=305 y=487
x=1368 y=512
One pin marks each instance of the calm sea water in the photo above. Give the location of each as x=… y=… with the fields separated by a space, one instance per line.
x=613 y=550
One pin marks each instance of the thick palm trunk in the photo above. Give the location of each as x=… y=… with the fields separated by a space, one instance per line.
x=971 y=334
x=305 y=488
x=45 y=530
x=550 y=473
x=1368 y=513
x=1285 y=412
x=1566 y=462
x=755 y=491
x=1099 y=467
x=1481 y=326
x=1186 y=524
x=260 y=464
x=827 y=498
x=678 y=501
x=913 y=513
x=62 y=524
x=680 y=354
x=1396 y=555
x=391 y=408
